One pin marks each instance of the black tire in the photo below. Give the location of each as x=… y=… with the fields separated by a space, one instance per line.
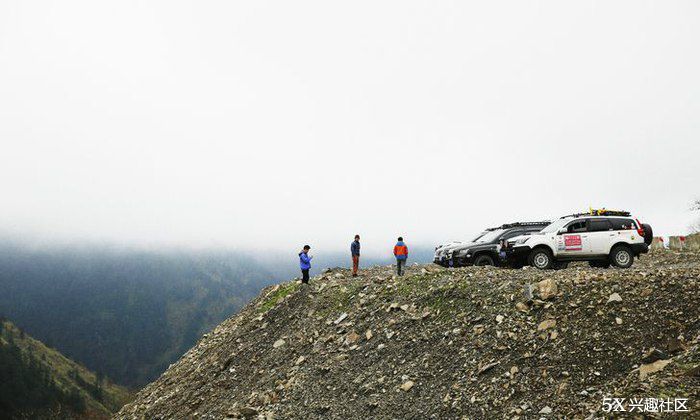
x=599 y=264
x=482 y=260
x=648 y=234
x=621 y=256
x=541 y=258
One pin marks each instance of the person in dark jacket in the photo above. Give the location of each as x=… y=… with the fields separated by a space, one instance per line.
x=305 y=264
x=355 y=253
x=401 y=254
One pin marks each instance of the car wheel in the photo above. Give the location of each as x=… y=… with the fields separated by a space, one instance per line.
x=621 y=256
x=541 y=258
x=482 y=260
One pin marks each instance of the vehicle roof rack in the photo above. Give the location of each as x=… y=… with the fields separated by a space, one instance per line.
x=519 y=224
x=606 y=212
x=600 y=212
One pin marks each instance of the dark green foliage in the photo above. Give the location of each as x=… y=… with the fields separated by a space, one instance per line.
x=127 y=315
x=26 y=387
x=94 y=389
x=75 y=400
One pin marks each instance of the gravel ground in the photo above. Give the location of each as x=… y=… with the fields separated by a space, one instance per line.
x=475 y=342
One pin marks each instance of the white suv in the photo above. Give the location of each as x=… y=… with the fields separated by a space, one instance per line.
x=601 y=240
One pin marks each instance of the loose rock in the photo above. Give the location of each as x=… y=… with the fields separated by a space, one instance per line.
x=646 y=370
x=341 y=318
x=615 y=297
x=547 y=324
x=547 y=289
x=406 y=386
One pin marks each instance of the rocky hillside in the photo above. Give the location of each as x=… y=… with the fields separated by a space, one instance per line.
x=39 y=382
x=446 y=343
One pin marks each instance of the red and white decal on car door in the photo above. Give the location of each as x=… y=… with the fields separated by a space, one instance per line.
x=570 y=243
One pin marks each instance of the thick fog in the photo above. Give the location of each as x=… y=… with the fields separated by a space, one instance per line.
x=267 y=125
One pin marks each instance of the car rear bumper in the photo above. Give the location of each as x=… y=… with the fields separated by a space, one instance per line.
x=642 y=248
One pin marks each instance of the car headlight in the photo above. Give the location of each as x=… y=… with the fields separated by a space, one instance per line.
x=521 y=241
x=464 y=253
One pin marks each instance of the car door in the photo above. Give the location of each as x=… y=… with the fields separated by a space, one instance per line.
x=573 y=241
x=624 y=230
x=600 y=235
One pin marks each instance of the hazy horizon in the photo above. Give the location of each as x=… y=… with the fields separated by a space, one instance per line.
x=268 y=125
x=335 y=256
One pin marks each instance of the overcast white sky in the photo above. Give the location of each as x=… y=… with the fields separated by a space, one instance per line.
x=273 y=124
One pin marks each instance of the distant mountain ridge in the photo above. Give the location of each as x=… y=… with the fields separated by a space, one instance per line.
x=123 y=313
x=40 y=382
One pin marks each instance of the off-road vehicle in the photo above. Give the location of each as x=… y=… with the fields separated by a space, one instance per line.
x=601 y=237
x=484 y=249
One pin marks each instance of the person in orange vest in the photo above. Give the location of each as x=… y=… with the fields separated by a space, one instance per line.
x=401 y=254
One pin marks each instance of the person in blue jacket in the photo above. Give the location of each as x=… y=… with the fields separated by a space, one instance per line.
x=305 y=264
x=355 y=253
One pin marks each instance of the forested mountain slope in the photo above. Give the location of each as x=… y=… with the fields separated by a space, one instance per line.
x=39 y=382
x=125 y=314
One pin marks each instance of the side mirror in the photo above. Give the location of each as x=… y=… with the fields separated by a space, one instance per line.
x=561 y=231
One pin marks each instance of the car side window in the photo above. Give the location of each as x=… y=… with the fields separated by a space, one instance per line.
x=576 y=226
x=622 y=224
x=512 y=234
x=599 y=225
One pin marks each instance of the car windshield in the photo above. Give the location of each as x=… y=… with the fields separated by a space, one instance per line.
x=554 y=227
x=490 y=236
x=479 y=236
